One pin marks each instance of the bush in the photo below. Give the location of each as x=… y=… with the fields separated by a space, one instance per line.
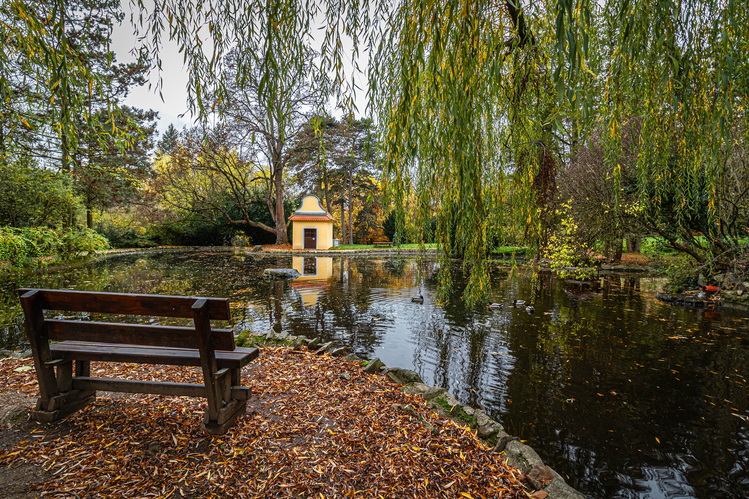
x=655 y=246
x=15 y=249
x=682 y=275
x=125 y=237
x=568 y=256
x=77 y=243
x=21 y=248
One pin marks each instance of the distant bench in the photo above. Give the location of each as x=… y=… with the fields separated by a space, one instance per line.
x=383 y=244
x=64 y=391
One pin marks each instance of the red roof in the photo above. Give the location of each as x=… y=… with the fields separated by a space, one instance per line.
x=300 y=218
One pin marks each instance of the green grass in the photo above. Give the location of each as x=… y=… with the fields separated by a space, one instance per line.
x=507 y=250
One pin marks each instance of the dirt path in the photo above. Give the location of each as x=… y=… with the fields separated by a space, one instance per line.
x=317 y=427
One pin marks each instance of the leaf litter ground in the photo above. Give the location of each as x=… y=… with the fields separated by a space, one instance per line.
x=315 y=427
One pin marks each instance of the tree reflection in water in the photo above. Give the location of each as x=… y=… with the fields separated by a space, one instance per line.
x=625 y=395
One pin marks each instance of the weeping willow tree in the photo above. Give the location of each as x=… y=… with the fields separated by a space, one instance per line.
x=481 y=102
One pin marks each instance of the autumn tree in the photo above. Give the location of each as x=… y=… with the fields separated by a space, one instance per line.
x=337 y=160
x=263 y=112
x=206 y=179
x=108 y=172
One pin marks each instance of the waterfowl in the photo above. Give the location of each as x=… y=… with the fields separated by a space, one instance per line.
x=495 y=306
x=417 y=299
x=518 y=303
x=530 y=309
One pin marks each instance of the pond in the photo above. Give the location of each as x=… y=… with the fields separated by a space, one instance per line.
x=623 y=395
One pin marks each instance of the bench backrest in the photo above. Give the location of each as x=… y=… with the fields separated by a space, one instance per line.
x=35 y=301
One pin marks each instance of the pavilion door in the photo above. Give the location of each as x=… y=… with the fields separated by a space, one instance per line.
x=310 y=238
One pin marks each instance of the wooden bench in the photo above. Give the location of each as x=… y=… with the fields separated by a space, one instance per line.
x=57 y=343
x=383 y=244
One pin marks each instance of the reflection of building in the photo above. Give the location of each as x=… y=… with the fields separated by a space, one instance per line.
x=316 y=274
x=313 y=226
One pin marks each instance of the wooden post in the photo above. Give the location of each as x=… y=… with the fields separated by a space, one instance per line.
x=207 y=358
x=34 y=324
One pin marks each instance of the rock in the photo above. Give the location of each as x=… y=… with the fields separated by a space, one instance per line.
x=257 y=247
x=280 y=274
x=313 y=343
x=487 y=428
x=5 y=353
x=444 y=404
x=352 y=357
x=427 y=392
x=346 y=376
x=323 y=348
x=521 y=456
x=282 y=336
x=503 y=438
x=540 y=476
x=340 y=352
x=23 y=354
x=558 y=489
x=299 y=341
x=403 y=376
x=374 y=366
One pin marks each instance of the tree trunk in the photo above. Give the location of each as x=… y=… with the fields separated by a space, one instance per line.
x=634 y=243
x=350 y=207
x=343 y=222
x=282 y=236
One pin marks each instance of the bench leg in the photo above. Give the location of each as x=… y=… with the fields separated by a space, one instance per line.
x=226 y=417
x=67 y=400
x=63 y=405
x=234 y=403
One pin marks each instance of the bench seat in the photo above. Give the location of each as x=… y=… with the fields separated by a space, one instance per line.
x=113 y=352
x=64 y=347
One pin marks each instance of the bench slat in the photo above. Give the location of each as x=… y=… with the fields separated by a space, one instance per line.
x=139 y=334
x=152 y=387
x=127 y=303
x=112 y=352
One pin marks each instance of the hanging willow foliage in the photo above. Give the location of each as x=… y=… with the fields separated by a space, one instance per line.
x=481 y=102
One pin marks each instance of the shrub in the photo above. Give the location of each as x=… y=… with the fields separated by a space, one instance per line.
x=21 y=248
x=568 y=256
x=76 y=243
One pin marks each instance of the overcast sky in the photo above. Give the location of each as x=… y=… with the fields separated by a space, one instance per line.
x=173 y=109
x=173 y=74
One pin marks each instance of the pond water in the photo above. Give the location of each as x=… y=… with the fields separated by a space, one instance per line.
x=623 y=395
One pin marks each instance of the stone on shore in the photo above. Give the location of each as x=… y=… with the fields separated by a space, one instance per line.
x=280 y=274
x=403 y=376
x=374 y=367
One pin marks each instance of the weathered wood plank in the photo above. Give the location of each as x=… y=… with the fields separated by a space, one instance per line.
x=128 y=303
x=138 y=386
x=137 y=334
x=86 y=383
x=35 y=331
x=110 y=352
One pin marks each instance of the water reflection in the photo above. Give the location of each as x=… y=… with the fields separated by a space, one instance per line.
x=624 y=395
x=316 y=275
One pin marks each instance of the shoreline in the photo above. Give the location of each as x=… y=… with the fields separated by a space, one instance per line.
x=412 y=410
